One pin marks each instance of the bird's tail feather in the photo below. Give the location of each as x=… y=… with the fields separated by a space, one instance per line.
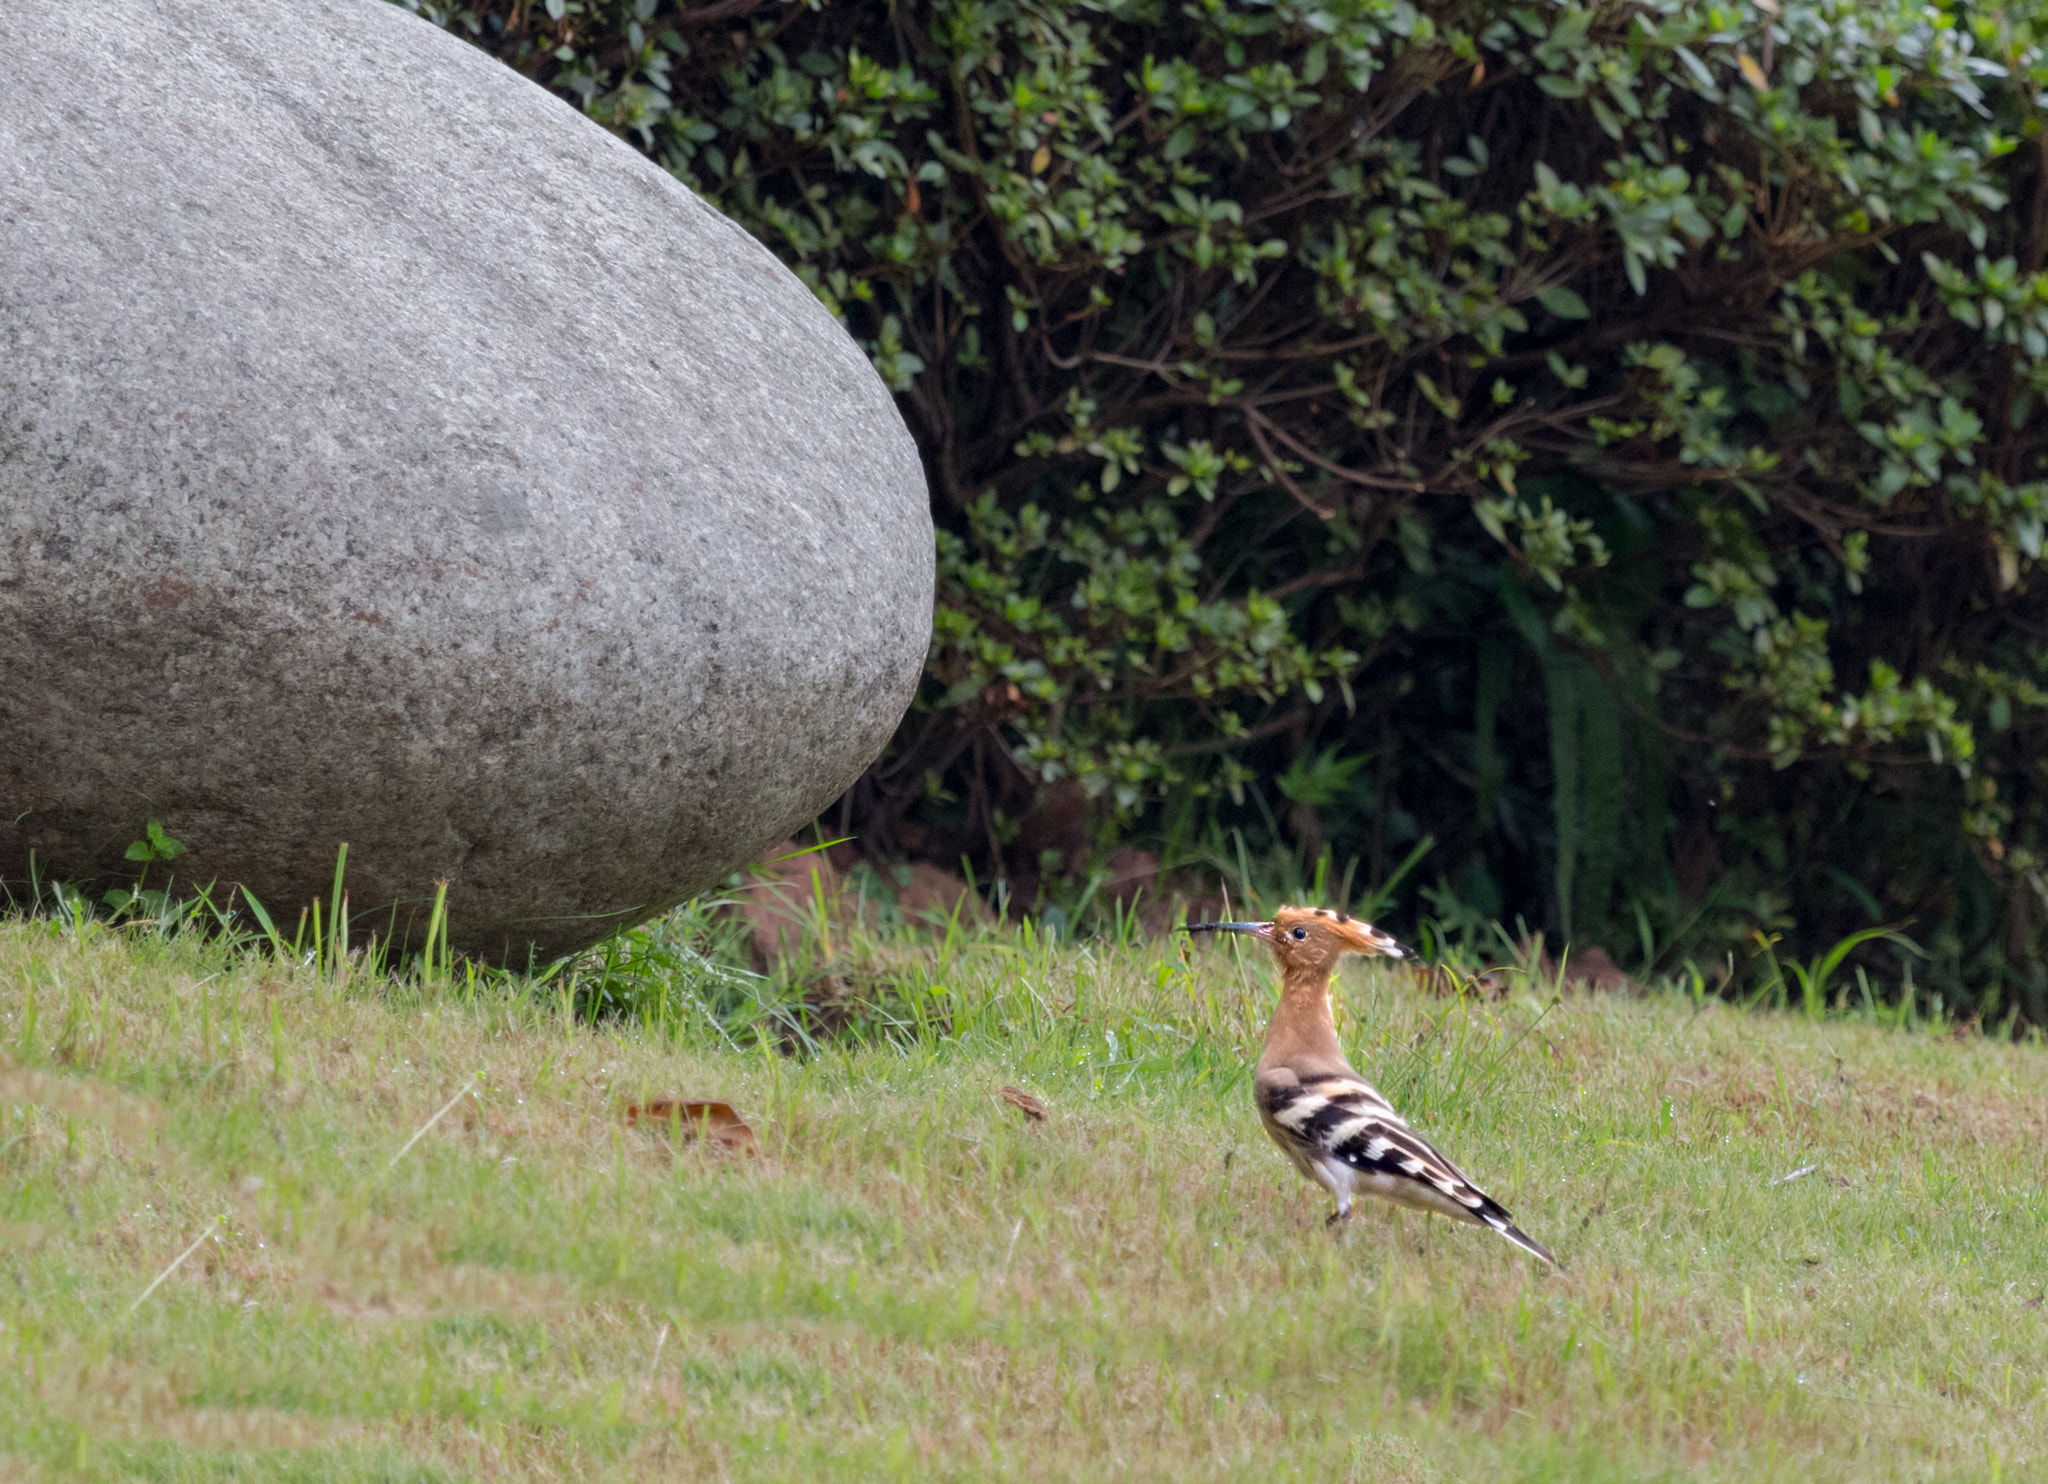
x=1498 y=1220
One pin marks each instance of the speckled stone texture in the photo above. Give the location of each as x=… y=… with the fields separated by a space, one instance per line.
x=389 y=455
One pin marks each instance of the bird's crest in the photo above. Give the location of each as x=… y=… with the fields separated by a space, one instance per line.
x=1312 y=933
x=1346 y=933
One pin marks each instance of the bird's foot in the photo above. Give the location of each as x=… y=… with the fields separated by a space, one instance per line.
x=1337 y=1218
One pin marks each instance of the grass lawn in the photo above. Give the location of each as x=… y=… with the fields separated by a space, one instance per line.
x=911 y=1279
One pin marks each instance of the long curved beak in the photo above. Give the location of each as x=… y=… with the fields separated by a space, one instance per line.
x=1251 y=929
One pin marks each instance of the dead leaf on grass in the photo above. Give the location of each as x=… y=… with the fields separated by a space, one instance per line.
x=1033 y=1108
x=714 y=1121
x=1438 y=979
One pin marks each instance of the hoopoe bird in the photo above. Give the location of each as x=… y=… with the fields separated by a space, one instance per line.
x=1333 y=1124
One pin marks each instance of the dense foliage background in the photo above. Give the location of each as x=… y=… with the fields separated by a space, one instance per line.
x=1602 y=444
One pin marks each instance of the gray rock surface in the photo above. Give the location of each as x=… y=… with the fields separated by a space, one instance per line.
x=389 y=455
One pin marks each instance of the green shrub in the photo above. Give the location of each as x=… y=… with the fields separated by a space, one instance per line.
x=1605 y=440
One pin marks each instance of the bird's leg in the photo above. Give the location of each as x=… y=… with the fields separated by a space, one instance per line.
x=1335 y=1179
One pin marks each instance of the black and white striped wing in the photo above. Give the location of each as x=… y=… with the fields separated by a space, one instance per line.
x=1346 y=1121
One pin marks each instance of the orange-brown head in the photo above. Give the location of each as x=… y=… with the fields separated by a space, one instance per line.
x=1310 y=940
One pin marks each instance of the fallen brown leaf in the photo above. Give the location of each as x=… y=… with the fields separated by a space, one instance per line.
x=715 y=1121
x=1031 y=1107
x=1437 y=980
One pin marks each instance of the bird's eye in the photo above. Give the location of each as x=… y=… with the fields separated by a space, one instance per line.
x=1300 y=933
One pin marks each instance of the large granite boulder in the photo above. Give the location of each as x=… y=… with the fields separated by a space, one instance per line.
x=389 y=455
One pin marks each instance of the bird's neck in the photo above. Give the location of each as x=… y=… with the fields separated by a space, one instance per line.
x=1302 y=1029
